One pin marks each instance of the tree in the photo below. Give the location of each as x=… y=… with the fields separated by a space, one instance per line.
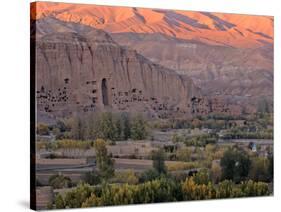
x=59 y=181
x=251 y=188
x=104 y=162
x=162 y=189
x=126 y=128
x=158 y=158
x=118 y=126
x=202 y=177
x=270 y=166
x=78 y=129
x=260 y=169
x=92 y=201
x=61 y=126
x=131 y=177
x=216 y=172
x=92 y=178
x=91 y=128
x=225 y=189
x=56 y=131
x=184 y=154
x=148 y=175
x=128 y=176
x=76 y=197
x=210 y=150
x=235 y=165
x=177 y=138
x=138 y=128
x=59 y=202
x=107 y=127
x=42 y=129
x=193 y=191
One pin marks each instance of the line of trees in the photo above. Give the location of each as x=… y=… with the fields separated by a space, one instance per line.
x=238 y=134
x=162 y=189
x=199 y=141
x=107 y=125
x=157 y=185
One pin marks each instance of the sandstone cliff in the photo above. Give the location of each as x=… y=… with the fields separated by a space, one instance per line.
x=87 y=71
x=227 y=56
x=234 y=73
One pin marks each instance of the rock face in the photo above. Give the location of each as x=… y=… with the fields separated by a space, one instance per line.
x=87 y=71
x=237 y=73
x=229 y=57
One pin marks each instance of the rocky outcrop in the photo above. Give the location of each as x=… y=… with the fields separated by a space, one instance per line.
x=225 y=55
x=87 y=71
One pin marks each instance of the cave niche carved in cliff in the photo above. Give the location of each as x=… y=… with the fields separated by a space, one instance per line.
x=104 y=89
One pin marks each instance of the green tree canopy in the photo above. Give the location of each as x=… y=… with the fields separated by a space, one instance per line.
x=158 y=158
x=138 y=128
x=104 y=163
x=235 y=165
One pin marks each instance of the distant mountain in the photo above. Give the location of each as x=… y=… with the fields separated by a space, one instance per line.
x=243 y=31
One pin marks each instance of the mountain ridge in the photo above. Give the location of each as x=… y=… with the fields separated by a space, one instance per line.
x=238 y=74
x=240 y=31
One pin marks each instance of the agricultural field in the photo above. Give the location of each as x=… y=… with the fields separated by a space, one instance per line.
x=195 y=158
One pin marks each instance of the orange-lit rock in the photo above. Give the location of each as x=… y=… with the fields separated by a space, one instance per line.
x=244 y=31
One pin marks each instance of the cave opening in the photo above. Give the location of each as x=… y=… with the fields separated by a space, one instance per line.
x=104 y=92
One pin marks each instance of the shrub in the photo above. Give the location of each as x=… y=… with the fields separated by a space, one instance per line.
x=202 y=177
x=158 y=158
x=148 y=175
x=201 y=140
x=235 y=165
x=60 y=181
x=162 y=189
x=128 y=177
x=105 y=164
x=183 y=154
x=59 y=202
x=42 y=129
x=92 y=178
x=259 y=169
x=76 y=197
x=176 y=166
x=138 y=128
x=193 y=191
x=216 y=173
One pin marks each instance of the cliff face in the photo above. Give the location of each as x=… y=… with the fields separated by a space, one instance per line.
x=216 y=70
x=87 y=71
x=228 y=57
